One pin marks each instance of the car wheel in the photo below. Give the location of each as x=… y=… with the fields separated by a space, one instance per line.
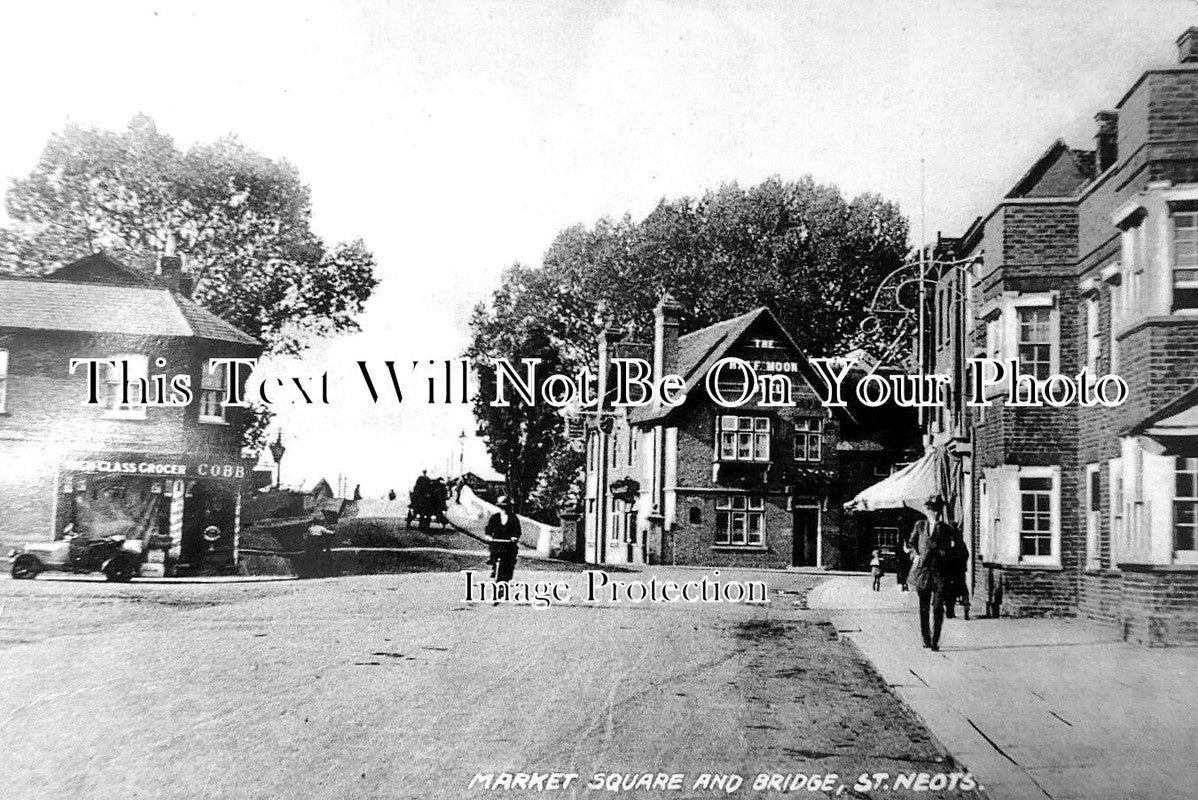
x=120 y=570
x=25 y=568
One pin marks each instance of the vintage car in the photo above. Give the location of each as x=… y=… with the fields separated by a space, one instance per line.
x=117 y=557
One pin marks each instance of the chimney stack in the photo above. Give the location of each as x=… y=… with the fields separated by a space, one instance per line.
x=1187 y=46
x=666 y=320
x=608 y=339
x=1106 y=139
x=170 y=269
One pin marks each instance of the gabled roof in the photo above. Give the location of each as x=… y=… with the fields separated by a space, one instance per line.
x=700 y=350
x=706 y=346
x=1061 y=171
x=98 y=294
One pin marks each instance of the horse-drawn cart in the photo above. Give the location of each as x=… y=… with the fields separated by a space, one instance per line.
x=427 y=503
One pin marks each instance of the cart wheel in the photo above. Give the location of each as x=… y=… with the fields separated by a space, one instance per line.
x=25 y=568
x=120 y=570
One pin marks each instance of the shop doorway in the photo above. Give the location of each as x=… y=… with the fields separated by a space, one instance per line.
x=207 y=504
x=805 y=552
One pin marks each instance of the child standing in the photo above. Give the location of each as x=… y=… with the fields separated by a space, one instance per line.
x=875 y=566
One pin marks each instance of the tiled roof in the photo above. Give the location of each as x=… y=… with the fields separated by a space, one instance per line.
x=103 y=268
x=699 y=351
x=1062 y=171
x=149 y=309
x=207 y=325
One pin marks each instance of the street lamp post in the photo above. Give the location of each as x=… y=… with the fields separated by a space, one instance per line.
x=277 y=449
x=462 y=453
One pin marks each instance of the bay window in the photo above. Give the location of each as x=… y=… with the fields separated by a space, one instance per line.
x=741 y=438
x=1185 y=259
x=1159 y=252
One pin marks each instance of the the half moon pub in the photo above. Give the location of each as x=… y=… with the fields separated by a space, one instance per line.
x=144 y=472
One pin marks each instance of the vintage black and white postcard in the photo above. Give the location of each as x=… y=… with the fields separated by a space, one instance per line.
x=615 y=399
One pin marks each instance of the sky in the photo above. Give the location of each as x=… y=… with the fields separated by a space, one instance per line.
x=458 y=138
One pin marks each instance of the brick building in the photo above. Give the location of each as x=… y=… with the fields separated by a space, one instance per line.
x=751 y=486
x=130 y=469
x=1090 y=261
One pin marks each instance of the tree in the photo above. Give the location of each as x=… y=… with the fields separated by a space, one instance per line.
x=797 y=247
x=520 y=438
x=239 y=219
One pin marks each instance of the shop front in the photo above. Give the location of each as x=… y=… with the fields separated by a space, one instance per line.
x=185 y=509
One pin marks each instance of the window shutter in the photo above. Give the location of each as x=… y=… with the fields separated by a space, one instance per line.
x=1116 y=531
x=1156 y=545
x=1008 y=515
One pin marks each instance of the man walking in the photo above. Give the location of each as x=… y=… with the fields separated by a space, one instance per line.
x=503 y=534
x=932 y=574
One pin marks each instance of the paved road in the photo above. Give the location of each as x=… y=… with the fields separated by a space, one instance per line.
x=386 y=686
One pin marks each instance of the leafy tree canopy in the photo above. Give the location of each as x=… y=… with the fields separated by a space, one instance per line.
x=239 y=219
x=799 y=248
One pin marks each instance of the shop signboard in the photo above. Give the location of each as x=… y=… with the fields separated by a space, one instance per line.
x=156 y=465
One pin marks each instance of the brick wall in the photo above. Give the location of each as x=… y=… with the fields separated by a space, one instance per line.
x=1036 y=592
x=1041 y=246
x=1038 y=237
x=1160 y=607
x=1100 y=596
x=46 y=418
x=694 y=543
